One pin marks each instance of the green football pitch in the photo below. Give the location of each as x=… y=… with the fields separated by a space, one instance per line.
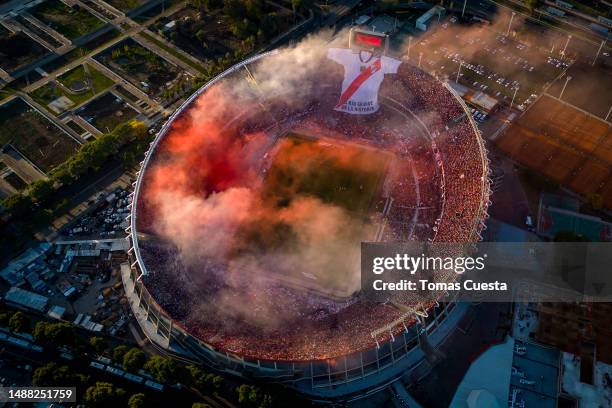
x=339 y=173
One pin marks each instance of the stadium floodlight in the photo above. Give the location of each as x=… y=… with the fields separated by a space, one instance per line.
x=567 y=79
x=510 y=23
x=514 y=96
x=603 y=42
x=458 y=71
x=569 y=37
x=371 y=41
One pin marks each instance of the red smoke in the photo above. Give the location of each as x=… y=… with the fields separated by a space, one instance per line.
x=206 y=186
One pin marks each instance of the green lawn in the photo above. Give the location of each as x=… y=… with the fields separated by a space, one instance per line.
x=99 y=81
x=47 y=93
x=71 y=22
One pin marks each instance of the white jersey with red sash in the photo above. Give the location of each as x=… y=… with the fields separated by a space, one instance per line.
x=363 y=75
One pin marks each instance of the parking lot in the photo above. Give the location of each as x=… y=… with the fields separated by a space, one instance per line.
x=107 y=220
x=489 y=61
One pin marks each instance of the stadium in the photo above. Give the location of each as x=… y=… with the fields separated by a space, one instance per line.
x=250 y=207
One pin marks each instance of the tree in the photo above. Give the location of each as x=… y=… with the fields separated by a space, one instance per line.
x=296 y=5
x=200 y=405
x=137 y=401
x=58 y=376
x=62 y=206
x=61 y=173
x=250 y=396
x=119 y=352
x=532 y=4
x=19 y=322
x=77 y=166
x=18 y=204
x=133 y=360
x=210 y=5
x=204 y=381
x=201 y=36
x=164 y=369
x=269 y=24
x=595 y=200
x=247 y=395
x=98 y=344
x=59 y=334
x=103 y=394
x=40 y=190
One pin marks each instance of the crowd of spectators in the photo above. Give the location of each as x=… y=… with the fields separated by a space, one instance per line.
x=438 y=190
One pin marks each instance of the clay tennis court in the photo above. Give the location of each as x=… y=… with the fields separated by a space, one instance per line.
x=565 y=144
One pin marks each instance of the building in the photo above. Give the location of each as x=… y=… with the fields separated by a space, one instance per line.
x=482 y=101
x=393 y=345
x=556 y=214
x=477 y=99
x=15 y=272
x=514 y=374
x=57 y=312
x=585 y=383
x=423 y=22
x=27 y=299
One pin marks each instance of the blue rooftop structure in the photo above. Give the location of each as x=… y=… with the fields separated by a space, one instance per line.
x=514 y=374
x=535 y=375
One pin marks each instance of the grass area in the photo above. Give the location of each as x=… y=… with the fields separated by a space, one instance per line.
x=71 y=22
x=95 y=79
x=33 y=135
x=173 y=52
x=98 y=80
x=344 y=175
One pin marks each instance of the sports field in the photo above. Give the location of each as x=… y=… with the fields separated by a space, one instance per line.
x=343 y=174
x=568 y=146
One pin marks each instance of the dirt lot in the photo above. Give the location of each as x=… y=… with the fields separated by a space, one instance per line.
x=17 y=50
x=589 y=88
x=565 y=144
x=106 y=112
x=35 y=137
